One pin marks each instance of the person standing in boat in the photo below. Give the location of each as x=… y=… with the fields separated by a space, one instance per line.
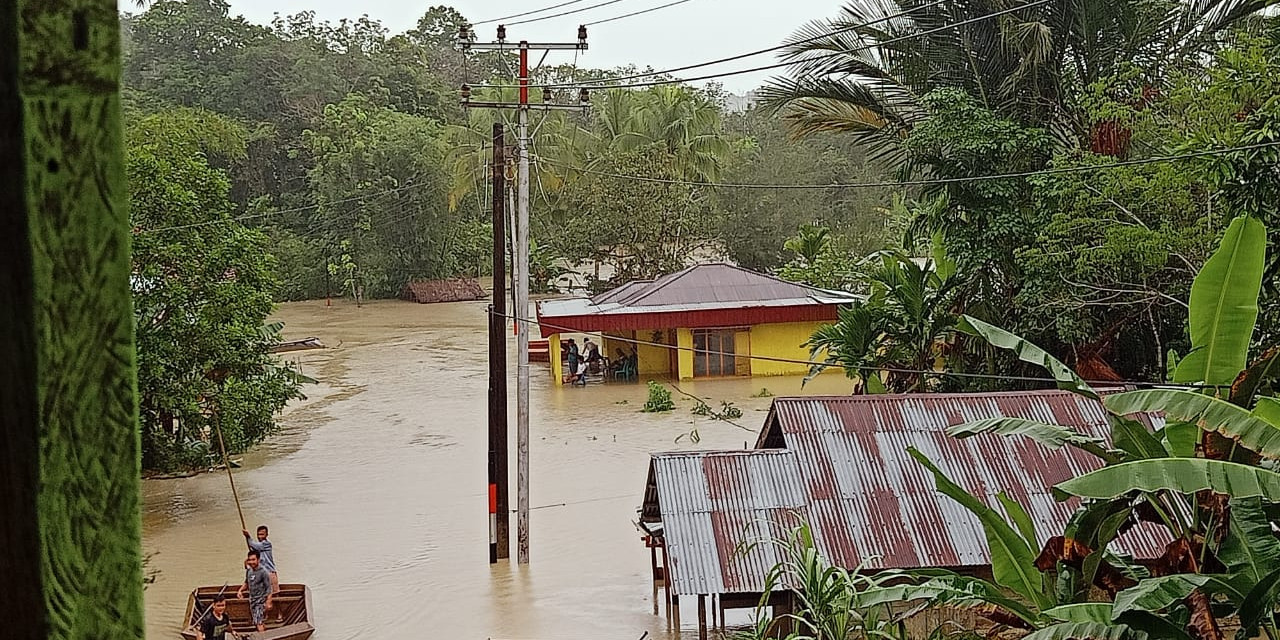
x=263 y=546
x=257 y=581
x=216 y=624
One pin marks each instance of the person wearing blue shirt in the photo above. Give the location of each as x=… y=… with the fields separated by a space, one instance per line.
x=263 y=546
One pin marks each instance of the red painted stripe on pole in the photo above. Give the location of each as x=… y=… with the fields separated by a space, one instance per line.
x=493 y=498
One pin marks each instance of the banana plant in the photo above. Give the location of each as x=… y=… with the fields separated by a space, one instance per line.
x=1207 y=476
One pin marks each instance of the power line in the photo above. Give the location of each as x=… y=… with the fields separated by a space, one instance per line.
x=604 y=83
x=749 y=54
x=859 y=369
x=528 y=13
x=636 y=13
x=923 y=182
x=565 y=13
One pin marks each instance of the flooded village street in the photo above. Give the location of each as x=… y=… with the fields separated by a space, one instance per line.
x=375 y=488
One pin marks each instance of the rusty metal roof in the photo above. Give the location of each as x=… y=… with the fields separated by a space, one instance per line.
x=869 y=503
x=714 y=505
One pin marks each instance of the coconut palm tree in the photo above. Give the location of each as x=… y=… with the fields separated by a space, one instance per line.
x=684 y=123
x=865 y=71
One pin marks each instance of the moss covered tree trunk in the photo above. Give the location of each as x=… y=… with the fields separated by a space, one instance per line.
x=70 y=527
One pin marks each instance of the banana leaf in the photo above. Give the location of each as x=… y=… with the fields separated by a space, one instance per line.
x=1099 y=612
x=1260 y=373
x=1209 y=413
x=1133 y=438
x=1268 y=409
x=1181 y=438
x=1050 y=435
x=1021 y=519
x=1027 y=352
x=946 y=590
x=1012 y=559
x=1250 y=549
x=1155 y=625
x=1155 y=594
x=1224 y=306
x=1180 y=475
x=1259 y=605
x=1086 y=631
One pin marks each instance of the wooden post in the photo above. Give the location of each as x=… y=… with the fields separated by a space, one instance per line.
x=70 y=530
x=675 y=612
x=499 y=504
x=666 y=578
x=720 y=606
x=653 y=574
x=702 y=617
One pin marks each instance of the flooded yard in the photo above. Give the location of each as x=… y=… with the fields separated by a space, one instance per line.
x=375 y=489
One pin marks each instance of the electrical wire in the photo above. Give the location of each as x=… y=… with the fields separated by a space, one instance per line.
x=604 y=83
x=859 y=369
x=565 y=13
x=757 y=52
x=922 y=182
x=636 y=13
x=528 y=13
x=749 y=54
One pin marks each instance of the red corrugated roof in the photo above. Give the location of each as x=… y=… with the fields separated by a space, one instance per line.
x=705 y=295
x=871 y=504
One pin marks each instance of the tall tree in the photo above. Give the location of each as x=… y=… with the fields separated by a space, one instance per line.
x=203 y=286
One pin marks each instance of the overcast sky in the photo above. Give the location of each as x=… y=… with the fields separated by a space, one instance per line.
x=691 y=32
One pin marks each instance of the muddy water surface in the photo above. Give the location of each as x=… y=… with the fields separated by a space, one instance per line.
x=375 y=489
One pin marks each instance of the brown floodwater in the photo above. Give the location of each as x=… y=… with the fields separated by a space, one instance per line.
x=375 y=488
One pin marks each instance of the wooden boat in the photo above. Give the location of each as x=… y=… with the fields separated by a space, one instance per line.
x=292 y=603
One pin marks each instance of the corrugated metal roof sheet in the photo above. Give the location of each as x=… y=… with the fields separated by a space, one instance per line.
x=703 y=286
x=870 y=504
x=714 y=505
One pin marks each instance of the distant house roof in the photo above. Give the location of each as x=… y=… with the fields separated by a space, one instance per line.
x=869 y=503
x=703 y=295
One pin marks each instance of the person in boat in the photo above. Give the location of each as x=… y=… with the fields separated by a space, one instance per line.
x=257 y=582
x=263 y=546
x=216 y=624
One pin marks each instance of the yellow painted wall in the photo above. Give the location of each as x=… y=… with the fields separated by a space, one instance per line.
x=781 y=340
x=650 y=359
x=684 y=339
x=553 y=350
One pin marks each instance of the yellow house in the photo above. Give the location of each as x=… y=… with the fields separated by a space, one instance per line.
x=709 y=320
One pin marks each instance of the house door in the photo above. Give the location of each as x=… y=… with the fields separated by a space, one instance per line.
x=716 y=353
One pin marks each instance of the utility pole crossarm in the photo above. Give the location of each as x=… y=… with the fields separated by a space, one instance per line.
x=536 y=46
x=516 y=105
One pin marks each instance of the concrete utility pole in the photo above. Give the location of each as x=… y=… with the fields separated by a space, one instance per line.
x=521 y=243
x=499 y=505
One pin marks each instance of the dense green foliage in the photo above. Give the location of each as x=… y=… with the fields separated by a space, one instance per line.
x=202 y=289
x=1204 y=478
x=365 y=172
x=1095 y=264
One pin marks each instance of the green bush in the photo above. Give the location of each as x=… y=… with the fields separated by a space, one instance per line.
x=659 y=399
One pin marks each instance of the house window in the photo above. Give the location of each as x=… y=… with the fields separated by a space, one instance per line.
x=720 y=352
